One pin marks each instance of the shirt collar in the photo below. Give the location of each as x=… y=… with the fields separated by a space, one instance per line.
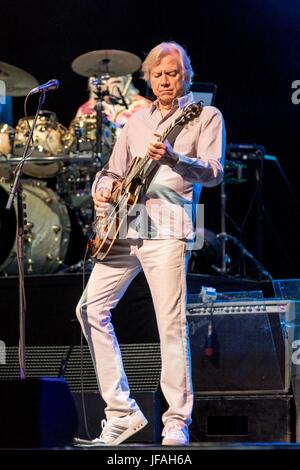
x=180 y=102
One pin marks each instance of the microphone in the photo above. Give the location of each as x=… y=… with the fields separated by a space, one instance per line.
x=50 y=85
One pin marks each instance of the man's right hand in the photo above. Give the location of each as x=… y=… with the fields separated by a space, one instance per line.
x=101 y=199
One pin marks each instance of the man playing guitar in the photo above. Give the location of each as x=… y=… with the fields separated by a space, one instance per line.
x=158 y=245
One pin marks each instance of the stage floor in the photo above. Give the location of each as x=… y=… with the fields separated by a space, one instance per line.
x=143 y=457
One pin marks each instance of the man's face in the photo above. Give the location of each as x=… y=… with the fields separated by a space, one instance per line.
x=167 y=79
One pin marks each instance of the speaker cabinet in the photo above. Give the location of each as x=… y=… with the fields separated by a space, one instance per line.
x=142 y=365
x=263 y=418
x=36 y=413
x=240 y=354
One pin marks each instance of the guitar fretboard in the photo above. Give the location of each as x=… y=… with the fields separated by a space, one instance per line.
x=192 y=111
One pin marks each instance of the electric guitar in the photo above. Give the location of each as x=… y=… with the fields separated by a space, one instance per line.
x=125 y=195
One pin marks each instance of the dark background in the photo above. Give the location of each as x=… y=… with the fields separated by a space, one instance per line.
x=249 y=48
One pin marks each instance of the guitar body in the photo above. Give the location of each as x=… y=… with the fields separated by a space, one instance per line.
x=107 y=229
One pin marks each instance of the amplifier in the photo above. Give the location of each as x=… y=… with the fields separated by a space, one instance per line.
x=243 y=347
x=288 y=309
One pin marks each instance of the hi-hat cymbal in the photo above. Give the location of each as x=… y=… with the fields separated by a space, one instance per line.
x=17 y=81
x=110 y=61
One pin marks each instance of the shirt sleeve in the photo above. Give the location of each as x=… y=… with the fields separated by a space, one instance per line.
x=115 y=169
x=206 y=167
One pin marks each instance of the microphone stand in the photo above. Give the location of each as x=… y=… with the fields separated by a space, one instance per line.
x=21 y=215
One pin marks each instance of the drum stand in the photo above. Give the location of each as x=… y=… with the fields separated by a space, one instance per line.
x=99 y=82
x=11 y=136
x=100 y=93
x=224 y=237
x=21 y=221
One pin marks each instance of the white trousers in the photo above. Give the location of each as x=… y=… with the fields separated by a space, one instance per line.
x=164 y=265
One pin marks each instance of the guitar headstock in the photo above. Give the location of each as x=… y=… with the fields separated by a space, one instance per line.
x=190 y=112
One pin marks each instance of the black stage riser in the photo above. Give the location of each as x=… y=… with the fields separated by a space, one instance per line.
x=217 y=416
x=51 y=301
x=252 y=418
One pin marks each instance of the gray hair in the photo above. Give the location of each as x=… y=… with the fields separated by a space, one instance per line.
x=161 y=50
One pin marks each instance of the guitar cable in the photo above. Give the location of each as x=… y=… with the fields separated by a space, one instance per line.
x=86 y=427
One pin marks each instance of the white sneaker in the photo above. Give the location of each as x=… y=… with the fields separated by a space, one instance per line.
x=116 y=430
x=175 y=434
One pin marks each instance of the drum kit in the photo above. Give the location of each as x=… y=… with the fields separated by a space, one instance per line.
x=59 y=170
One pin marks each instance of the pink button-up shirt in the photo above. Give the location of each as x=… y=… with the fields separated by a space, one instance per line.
x=170 y=200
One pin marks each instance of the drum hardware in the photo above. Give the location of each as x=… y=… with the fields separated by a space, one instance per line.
x=83 y=135
x=83 y=159
x=56 y=228
x=102 y=123
x=104 y=64
x=78 y=130
x=29 y=236
x=237 y=156
x=215 y=245
x=223 y=236
x=234 y=172
x=11 y=136
x=254 y=155
x=100 y=93
x=90 y=131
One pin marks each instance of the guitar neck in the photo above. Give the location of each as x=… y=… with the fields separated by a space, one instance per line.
x=140 y=165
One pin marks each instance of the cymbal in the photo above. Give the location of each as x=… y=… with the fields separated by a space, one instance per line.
x=17 y=81
x=110 y=61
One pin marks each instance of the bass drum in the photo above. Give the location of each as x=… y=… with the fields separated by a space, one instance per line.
x=48 y=230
